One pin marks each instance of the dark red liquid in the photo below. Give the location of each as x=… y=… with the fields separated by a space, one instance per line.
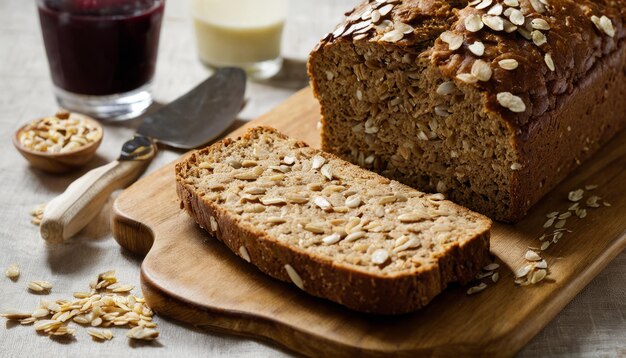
x=101 y=47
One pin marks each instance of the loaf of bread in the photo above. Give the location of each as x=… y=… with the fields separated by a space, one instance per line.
x=492 y=102
x=332 y=228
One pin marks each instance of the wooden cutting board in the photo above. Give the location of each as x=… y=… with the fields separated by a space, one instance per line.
x=189 y=276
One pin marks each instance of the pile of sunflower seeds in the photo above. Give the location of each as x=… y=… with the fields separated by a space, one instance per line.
x=107 y=303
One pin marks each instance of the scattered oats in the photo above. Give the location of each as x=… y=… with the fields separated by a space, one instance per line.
x=510 y=101
x=467 y=77
x=484 y=4
x=495 y=23
x=549 y=62
x=559 y=224
x=12 y=272
x=538 y=275
x=496 y=10
x=495 y=277
x=380 y=256
x=581 y=213
x=592 y=201
x=15 y=315
x=573 y=207
x=39 y=286
x=606 y=203
x=539 y=24
x=523 y=271
x=508 y=64
x=475 y=289
x=565 y=215
x=101 y=334
x=244 y=253
x=517 y=17
x=576 y=195
x=591 y=187
x=143 y=333
x=293 y=275
x=542 y=237
x=538 y=38
x=473 y=23
x=516 y=166
x=532 y=256
x=453 y=40
x=482 y=275
x=545 y=245
x=491 y=267
x=392 y=36
x=477 y=48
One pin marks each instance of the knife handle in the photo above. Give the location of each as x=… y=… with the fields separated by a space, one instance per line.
x=69 y=212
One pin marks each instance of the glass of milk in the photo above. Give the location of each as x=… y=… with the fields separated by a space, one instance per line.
x=241 y=33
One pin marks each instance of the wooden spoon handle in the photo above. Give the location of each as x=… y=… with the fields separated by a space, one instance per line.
x=69 y=212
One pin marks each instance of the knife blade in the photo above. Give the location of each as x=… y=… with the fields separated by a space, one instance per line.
x=192 y=120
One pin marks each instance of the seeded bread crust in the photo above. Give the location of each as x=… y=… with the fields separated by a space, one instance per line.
x=358 y=290
x=568 y=113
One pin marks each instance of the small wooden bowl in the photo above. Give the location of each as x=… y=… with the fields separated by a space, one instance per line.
x=60 y=162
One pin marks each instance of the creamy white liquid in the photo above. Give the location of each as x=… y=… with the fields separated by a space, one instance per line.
x=238 y=32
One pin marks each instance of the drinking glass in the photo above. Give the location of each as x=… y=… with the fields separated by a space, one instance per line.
x=102 y=53
x=241 y=33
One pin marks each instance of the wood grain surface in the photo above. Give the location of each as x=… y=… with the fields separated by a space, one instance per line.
x=193 y=278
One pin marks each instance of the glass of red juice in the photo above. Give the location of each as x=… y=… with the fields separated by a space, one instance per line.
x=102 y=53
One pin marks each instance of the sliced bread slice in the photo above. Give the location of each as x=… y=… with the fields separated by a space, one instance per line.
x=332 y=228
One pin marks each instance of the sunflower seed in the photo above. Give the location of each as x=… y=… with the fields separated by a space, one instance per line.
x=12 y=272
x=467 y=78
x=475 y=289
x=508 y=64
x=532 y=256
x=537 y=276
x=491 y=267
x=314 y=228
x=326 y=171
x=354 y=236
x=576 y=195
x=380 y=256
x=495 y=277
x=353 y=201
x=541 y=264
x=293 y=275
x=538 y=6
x=446 y=88
x=496 y=10
x=411 y=217
x=276 y=220
x=243 y=252
x=322 y=203
x=511 y=3
x=549 y=62
x=539 y=24
x=331 y=239
x=538 y=37
x=15 y=315
x=317 y=162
